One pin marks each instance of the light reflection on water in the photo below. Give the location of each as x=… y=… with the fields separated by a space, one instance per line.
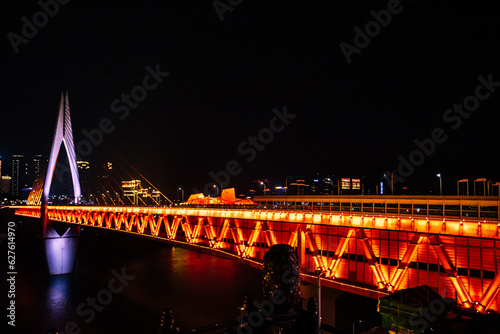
x=57 y=297
x=200 y=289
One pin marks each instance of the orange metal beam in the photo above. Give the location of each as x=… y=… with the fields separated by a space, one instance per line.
x=209 y=232
x=339 y=251
x=237 y=237
x=267 y=228
x=172 y=231
x=154 y=225
x=222 y=233
x=253 y=237
x=142 y=222
x=450 y=271
x=489 y=294
x=187 y=230
x=292 y=241
x=318 y=258
x=405 y=262
x=372 y=260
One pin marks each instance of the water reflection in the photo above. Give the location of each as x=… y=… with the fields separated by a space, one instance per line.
x=58 y=302
x=200 y=289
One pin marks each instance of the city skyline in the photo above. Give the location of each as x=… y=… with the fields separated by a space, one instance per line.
x=316 y=184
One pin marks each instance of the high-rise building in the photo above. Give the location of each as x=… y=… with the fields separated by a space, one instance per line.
x=463 y=187
x=322 y=185
x=495 y=189
x=37 y=163
x=348 y=186
x=482 y=187
x=24 y=172
x=19 y=172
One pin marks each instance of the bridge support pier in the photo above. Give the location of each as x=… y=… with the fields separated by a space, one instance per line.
x=60 y=249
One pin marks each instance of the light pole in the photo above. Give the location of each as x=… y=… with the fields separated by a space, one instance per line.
x=354 y=326
x=318 y=272
x=182 y=193
x=216 y=190
x=264 y=187
x=440 y=184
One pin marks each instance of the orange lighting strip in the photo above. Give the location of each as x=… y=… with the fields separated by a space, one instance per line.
x=339 y=251
x=405 y=262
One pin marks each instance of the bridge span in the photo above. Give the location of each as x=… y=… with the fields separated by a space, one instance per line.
x=369 y=245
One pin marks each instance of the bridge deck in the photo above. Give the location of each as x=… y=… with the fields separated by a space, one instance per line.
x=369 y=253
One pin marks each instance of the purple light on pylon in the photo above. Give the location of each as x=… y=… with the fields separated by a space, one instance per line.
x=61 y=254
x=63 y=136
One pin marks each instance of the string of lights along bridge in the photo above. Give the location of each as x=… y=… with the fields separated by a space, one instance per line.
x=368 y=245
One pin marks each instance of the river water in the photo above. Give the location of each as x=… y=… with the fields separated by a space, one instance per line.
x=200 y=289
x=122 y=283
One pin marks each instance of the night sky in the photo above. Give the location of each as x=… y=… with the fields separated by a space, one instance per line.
x=347 y=119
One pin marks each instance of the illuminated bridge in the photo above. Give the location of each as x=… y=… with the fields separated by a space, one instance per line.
x=368 y=245
x=371 y=246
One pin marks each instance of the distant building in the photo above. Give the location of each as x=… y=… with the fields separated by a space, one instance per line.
x=350 y=186
x=478 y=187
x=257 y=187
x=19 y=174
x=5 y=184
x=280 y=190
x=482 y=187
x=325 y=185
x=322 y=185
x=24 y=172
x=131 y=191
x=298 y=187
x=495 y=189
x=463 y=187
x=37 y=165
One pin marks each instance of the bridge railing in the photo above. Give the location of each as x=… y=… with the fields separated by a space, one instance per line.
x=425 y=206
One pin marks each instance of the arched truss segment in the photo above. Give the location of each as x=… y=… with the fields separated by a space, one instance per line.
x=206 y=230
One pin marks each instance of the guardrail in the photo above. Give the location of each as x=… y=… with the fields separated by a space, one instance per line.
x=433 y=206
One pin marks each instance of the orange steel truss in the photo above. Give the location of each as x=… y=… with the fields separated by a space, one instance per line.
x=369 y=255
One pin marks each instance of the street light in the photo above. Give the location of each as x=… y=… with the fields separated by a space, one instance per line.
x=264 y=187
x=216 y=190
x=182 y=193
x=318 y=272
x=354 y=326
x=440 y=184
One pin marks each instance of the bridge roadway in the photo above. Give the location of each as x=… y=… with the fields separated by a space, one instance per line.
x=371 y=246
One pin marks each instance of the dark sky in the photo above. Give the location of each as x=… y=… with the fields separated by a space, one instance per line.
x=352 y=119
